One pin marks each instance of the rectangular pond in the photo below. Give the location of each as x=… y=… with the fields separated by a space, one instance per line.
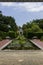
x=17 y=44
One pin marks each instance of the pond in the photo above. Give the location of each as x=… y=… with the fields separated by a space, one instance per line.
x=18 y=44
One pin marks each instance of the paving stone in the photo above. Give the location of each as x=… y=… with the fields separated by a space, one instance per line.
x=21 y=58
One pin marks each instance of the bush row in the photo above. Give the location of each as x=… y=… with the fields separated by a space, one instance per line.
x=11 y=34
x=2 y=35
x=31 y=35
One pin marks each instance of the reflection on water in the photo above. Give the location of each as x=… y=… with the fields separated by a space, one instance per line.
x=21 y=45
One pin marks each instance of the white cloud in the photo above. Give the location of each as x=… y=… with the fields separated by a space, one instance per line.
x=32 y=7
x=6 y=4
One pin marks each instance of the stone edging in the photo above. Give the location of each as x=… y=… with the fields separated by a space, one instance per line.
x=5 y=44
x=36 y=44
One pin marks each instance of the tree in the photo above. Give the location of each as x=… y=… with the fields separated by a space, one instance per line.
x=32 y=28
x=39 y=22
x=7 y=23
x=35 y=28
x=0 y=12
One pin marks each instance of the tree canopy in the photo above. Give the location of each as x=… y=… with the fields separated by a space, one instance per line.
x=7 y=23
x=35 y=26
x=8 y=26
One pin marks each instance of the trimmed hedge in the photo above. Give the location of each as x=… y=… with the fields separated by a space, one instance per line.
x=31 y=35
x=3 y=35
x=12 y=34
x=39 y=35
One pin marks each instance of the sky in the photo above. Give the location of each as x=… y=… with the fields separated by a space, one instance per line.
x=22 y=11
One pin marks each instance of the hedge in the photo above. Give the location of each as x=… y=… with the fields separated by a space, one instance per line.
x=31 y=35
x=3 y=34
x=12 y=34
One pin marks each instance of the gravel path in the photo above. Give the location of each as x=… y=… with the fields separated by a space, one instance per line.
x=21 y=57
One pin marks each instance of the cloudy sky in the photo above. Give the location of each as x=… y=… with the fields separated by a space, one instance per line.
x=22 y=12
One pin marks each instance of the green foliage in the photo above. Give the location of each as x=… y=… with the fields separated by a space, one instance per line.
x=20 y=37
x=39 y=22
x=7 y=23
x=41 y=38
x=33 y=29
x=11 y=34
x=21 y=44
x=3 y=34
x=38 y=35
x=0 y=39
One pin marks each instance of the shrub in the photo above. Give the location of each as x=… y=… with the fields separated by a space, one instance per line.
x=0 y=38
x=31 y=35
x=3 y=34
x=12 y=34
x=39 y=35
x=41 y=38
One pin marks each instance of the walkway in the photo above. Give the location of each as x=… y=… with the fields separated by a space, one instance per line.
x=4 y=43
x=38 y=43
x=21 y=57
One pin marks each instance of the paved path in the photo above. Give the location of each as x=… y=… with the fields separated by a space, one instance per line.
x=4 y=43
x=38 y=43
x=21 y=57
